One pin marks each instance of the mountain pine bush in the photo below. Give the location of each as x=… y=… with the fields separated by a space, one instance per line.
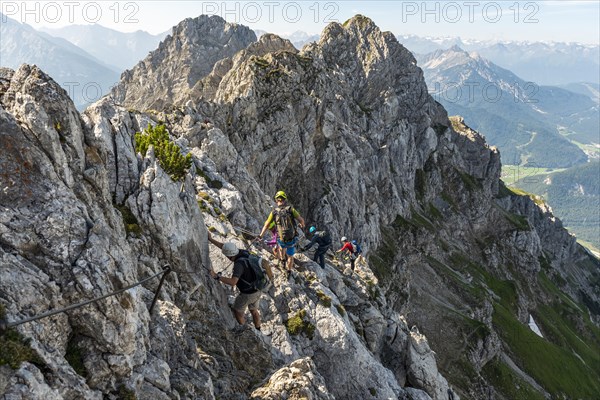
x=168 y=153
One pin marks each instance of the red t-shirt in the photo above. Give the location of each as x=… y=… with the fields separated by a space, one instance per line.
x=347 y=246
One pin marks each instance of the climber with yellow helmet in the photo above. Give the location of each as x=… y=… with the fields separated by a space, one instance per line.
x=285 y=216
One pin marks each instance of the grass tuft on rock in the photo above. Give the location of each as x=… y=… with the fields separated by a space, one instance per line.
x=297 y=325
x=15 y=348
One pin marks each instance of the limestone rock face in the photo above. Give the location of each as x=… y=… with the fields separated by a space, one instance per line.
x=345 y=126
x=68 y=243
x=298 y=119
x=298 y=380
x=268 y=43
x=110 y=132
x=183 y=58
x=423 y=371
x=60 y=231
x=31 y=97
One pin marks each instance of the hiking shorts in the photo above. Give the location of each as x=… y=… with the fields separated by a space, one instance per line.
x=290 y=247
x=249 y=300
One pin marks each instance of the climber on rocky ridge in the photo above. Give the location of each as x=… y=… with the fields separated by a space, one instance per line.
x=285 y=217
x=323 y=239
x=358 y=252
x=349 y=249
x=241 y=277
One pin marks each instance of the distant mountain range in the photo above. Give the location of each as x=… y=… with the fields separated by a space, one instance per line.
x=87 y=61
x=118 y=49
x=83 y=76
x=519 y=117
x=589 y=89
x=543 y=63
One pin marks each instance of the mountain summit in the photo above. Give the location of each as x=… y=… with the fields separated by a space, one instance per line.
x=182 y=58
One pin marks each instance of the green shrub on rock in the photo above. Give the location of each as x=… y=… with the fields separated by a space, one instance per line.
x=167 y=153
x=297 y=325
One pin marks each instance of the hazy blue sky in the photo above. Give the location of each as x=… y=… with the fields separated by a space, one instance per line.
x=562 y=21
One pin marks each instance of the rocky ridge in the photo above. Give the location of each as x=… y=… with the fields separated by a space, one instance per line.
x=347 y=128
x=65 y=215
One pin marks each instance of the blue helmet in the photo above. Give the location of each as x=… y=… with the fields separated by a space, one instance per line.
x=312 y=229
x=354 y=242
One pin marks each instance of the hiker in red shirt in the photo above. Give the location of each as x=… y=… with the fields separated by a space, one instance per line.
x=350 y=249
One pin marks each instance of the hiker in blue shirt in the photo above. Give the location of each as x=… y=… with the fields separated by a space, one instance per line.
x=323 y=240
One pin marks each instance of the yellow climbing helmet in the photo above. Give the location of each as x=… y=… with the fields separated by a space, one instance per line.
x=281 y=194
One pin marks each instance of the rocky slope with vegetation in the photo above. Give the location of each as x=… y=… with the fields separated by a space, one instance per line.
x=457 y=264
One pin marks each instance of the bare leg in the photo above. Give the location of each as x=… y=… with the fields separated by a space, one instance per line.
x=256 y=318
x=239 y=316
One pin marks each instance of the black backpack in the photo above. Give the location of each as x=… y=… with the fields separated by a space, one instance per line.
x=325 y=237
x=261 y=280
x=285 y=222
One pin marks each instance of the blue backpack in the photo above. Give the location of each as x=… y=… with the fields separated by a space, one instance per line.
x=356 y=246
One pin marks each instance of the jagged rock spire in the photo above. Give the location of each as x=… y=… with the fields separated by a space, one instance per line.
x=181 y=60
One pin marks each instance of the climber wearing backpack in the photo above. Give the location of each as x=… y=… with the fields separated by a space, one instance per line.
x=244 y=276
x=323 y=240
x=349 y=249
x=358 y=252
x=272 y=242
x=285 y=217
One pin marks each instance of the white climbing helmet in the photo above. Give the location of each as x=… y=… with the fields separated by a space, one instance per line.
x=344 y=239
x=230 y=249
